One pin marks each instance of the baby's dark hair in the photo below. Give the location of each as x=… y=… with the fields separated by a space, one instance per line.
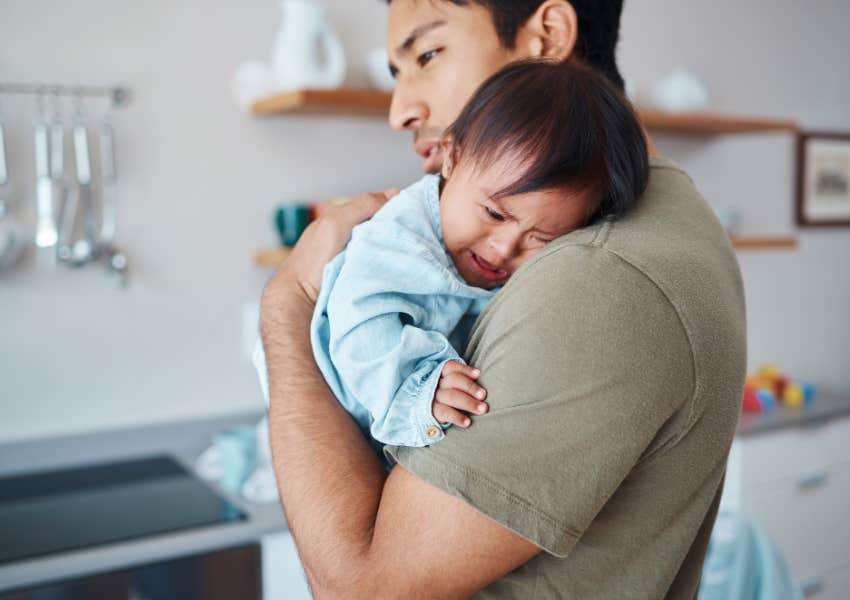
x=569 y=127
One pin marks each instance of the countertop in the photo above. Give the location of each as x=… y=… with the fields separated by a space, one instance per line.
x=828 y=405
x=184 y=441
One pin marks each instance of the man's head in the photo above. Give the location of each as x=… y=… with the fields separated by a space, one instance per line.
x=441 y=50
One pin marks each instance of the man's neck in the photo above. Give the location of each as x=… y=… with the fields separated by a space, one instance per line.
x=651 y=148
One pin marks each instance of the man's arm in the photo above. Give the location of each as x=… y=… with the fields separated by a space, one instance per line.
x=359 y=532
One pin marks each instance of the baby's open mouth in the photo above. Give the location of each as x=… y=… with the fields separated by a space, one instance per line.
x=487 y=270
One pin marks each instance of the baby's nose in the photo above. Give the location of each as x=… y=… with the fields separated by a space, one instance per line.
x=504 y=248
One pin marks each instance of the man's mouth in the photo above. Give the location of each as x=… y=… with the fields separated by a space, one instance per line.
x=430 y=151
x=486 y=269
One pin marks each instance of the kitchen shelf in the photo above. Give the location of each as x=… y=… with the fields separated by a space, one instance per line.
x=375 y=103
x=273 y=257
x=711 y=124
x=350 y=101
x=764 y=243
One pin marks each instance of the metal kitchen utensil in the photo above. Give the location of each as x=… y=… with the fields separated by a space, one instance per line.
x=57 y=152
x=11 y=237
x=46 y=234
x=112 y=258
x=4 y=168
x=79 y=206
x=108 y=181
x=88 y=243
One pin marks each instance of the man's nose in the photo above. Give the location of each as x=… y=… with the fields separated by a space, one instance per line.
x=406 y=110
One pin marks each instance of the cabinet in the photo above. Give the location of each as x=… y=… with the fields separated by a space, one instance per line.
x=795 y=483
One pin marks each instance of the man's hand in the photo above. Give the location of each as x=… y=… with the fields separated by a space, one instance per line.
x=320 y=242
x=457 y=391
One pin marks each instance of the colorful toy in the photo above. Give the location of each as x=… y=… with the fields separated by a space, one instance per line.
x=769 y=387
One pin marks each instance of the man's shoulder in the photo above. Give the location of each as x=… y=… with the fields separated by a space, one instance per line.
x=663 y=276
x=413 y=214
x=671 y=239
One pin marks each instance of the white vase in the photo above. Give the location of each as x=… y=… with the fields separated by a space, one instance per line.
x=307 y=52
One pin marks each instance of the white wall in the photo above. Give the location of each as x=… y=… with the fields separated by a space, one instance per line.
x=198 y=182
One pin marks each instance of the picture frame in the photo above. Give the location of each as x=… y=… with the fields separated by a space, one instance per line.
x=823 y=179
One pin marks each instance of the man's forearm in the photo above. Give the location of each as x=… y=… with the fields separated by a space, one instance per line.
x=329 y=478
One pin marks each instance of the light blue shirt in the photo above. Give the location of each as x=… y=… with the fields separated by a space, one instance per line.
x=387 y=306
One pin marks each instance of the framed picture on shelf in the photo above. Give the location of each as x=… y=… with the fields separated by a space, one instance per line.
x=823 y=179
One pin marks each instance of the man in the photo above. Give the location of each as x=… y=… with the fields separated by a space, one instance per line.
x=614 y=366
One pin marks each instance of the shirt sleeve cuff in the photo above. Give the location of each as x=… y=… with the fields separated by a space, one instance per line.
x=424 y=415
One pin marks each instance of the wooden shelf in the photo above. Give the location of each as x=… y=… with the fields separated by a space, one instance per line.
x=711 y=124
x=271 y=258
x=375 y=103
x=764 y=243
x=357 y=102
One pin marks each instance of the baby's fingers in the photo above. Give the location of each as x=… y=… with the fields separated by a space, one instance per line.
x=459 y=381
x=447 y=414
x=454 y=366
x=460 y=400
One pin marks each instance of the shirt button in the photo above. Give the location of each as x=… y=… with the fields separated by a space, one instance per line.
x=432 y=433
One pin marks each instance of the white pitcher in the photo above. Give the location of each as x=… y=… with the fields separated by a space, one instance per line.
x=307 y=52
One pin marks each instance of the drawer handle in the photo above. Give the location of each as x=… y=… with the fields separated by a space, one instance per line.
x=810 y=482
x=812 y=587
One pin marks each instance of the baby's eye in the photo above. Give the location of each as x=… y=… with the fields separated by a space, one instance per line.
x=493 y=214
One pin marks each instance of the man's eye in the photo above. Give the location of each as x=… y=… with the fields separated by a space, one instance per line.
x=393 y=71
x=426 y=57
x=493 y=214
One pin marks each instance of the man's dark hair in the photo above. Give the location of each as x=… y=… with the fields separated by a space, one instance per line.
x=598 y=28
x=569 y=127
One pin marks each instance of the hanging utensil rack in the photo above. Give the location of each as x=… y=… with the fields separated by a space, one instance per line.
x=118 y=95
x=94 y=246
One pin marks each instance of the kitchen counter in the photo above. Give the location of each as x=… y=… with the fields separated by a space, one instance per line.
x=828 y=405
x=184 y=441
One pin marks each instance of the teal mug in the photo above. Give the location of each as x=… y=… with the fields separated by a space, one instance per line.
x=291 y=220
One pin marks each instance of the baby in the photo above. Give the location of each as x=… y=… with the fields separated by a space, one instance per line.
x=540 y=150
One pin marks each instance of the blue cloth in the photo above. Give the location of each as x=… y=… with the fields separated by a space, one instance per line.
x=387 y=307
x=743 y=564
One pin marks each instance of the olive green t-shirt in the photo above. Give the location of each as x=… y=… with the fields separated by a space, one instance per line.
x=614 y=363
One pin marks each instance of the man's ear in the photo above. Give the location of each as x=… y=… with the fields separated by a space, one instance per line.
x=448 y=148
x=551 y=32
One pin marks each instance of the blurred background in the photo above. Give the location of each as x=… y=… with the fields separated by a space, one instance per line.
x=199 y=180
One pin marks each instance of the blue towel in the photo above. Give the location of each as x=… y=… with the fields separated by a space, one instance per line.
x=744 y=564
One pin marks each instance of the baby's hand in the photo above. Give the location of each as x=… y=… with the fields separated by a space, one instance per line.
x=457 y=391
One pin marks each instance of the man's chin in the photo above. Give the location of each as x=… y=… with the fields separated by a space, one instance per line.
x=433 y=163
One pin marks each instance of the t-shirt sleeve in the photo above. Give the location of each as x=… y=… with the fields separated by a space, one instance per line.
x=584 y=360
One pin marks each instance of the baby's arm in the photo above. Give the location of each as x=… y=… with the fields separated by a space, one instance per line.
x=386 y=358
x=457 y=391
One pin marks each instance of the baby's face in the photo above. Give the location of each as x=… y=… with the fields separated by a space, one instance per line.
x=488 y=238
